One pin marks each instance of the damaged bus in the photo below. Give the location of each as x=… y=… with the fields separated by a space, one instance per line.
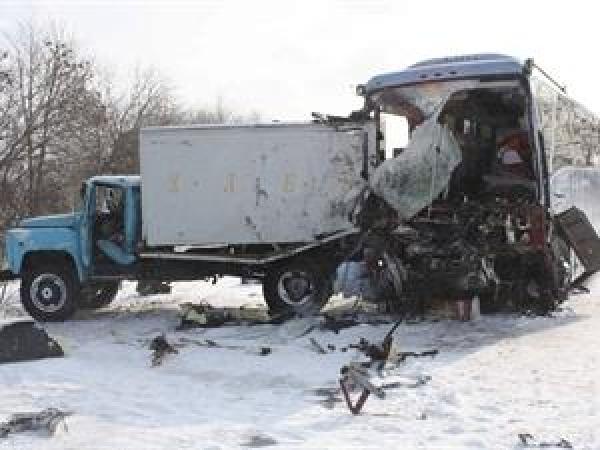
x=468 y=196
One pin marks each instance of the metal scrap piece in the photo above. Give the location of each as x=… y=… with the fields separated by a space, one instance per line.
x=358 y=376
x=161 y=348
x=49 y=419
x=529 y=441
x=318 y=347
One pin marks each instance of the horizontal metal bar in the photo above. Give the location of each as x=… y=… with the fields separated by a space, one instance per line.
x=246 y=260
x=196 y=257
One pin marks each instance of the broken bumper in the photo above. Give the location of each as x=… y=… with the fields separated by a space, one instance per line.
x=7 y=275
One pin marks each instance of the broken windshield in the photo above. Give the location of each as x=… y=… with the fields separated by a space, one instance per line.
x=448 y=125
x=418 y=102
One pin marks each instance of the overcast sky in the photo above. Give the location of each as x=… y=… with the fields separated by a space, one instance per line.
x=286 y=58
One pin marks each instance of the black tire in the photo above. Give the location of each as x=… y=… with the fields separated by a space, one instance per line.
x=98 y=295
x=300 y=288
x=50 y=292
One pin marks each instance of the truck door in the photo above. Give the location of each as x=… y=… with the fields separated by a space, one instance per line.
x=132 y=220
x=113 y=229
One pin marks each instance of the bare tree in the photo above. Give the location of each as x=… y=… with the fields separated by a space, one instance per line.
x=46 y=100
x=62 y=120
x=147 y=100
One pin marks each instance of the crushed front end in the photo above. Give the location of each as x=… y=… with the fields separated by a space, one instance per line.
x=460 y=209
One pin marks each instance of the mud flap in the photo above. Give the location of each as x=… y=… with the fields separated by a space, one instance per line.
x=578 y=232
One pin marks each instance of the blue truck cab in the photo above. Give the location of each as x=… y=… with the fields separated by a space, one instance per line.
x=71 y=260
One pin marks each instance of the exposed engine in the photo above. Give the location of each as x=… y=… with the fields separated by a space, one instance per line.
x=491 y=247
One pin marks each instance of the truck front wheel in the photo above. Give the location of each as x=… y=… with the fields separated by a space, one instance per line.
x=300 y=288
x=49 y=292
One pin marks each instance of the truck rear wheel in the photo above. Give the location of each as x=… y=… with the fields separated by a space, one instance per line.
x=49 y=292
x=98 y=295
x=300 y=288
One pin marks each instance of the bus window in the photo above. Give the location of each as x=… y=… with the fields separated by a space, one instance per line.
x=395 y=134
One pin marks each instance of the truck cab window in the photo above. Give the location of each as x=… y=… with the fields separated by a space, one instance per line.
x=110 y=214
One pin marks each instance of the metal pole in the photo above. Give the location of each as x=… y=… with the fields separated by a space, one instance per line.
x=529 y=64
x=553 y=135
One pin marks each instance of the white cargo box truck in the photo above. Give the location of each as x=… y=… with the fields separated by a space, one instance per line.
x=260 y=184
x=269 y=202
x=266 y=201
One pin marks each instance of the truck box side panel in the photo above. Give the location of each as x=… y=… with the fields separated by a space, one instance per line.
x=247 y=184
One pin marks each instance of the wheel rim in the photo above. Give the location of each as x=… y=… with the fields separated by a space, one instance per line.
x=48 y=292
x=296 y=288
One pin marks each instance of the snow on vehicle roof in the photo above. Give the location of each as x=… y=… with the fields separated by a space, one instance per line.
x=448 y=68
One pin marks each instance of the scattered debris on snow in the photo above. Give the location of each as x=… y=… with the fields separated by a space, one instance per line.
x=264 y=351
x=318 y=347
x=258 y=441
x=339 y=322
x=474 y=398
x=161 y=348
x=529 y=441
x=356 y=375
x=204 y=315
x=47 y=420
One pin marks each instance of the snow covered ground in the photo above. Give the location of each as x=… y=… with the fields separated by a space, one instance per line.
x=493 y=379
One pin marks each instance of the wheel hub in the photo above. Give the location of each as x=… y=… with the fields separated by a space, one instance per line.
x=295 y=288
x=48 y=292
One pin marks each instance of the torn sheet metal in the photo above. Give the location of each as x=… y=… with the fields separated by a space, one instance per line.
x=581 y=236
x=412 y=180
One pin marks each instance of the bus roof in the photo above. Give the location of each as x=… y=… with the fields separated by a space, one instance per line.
x=449 y=68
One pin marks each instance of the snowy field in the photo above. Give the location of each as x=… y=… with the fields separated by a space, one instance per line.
x=493 y=379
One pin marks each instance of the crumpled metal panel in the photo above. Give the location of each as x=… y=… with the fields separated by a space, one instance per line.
x=412 y=180
x=577 y=187
x=581 y=236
